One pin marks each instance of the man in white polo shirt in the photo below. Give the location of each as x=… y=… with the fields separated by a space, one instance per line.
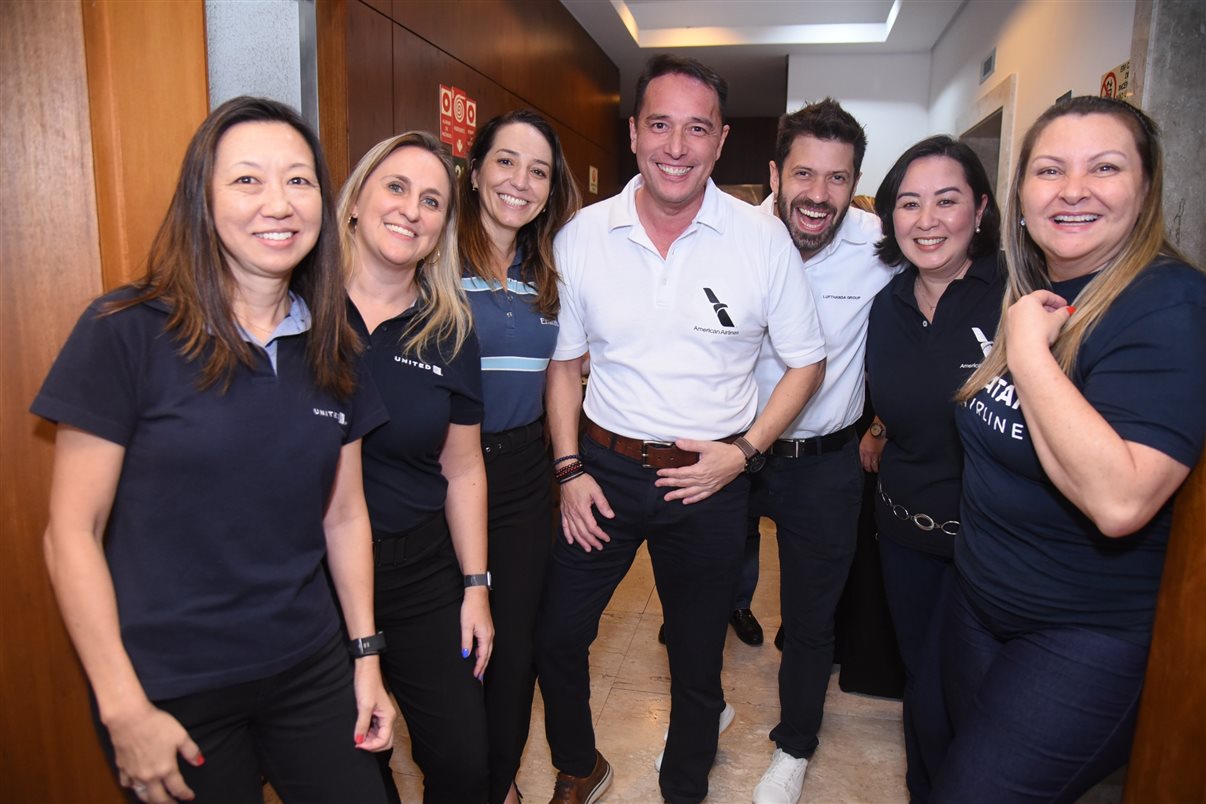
x=813 y=482
x=672 y=287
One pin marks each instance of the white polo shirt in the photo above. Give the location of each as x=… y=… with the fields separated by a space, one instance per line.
x=673 y=341
x=844 y=277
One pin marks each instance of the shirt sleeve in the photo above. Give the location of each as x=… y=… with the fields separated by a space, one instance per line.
x=366 y=407
x=1148 y=378
x=792 y=322
x=465 y=403
x=571 y=331
x=93 y=383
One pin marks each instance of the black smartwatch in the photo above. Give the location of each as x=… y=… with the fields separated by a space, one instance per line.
x=754 y=460
x=367 y=646
x=484 y=579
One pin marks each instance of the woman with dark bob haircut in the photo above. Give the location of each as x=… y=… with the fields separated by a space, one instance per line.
x=929 y=328
x=1077 y=429
x=515 y=197
x=207 y=467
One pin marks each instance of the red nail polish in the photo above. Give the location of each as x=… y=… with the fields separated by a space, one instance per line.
x=359 y=739
x=200 y=760
x=1071 y=309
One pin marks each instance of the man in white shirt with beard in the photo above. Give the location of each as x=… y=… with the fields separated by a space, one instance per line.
x=812 y=484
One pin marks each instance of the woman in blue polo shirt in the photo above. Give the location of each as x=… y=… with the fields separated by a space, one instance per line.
x=207 y=461
x=515 y=197
x=929 y=329
x=423 y=475
x=1077 y=429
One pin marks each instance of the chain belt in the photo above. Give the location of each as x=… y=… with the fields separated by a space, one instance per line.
x=922 y=521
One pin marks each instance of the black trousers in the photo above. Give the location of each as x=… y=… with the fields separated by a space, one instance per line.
x=295 y=728
x=519 y=478
x=696 y=555
x=418 y=603
x=815 y=502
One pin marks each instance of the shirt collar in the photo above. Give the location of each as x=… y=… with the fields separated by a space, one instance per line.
x=624 y=214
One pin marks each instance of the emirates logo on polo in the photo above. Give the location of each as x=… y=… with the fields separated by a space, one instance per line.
x=719 y=307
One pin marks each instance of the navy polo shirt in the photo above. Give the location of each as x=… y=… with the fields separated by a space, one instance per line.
x=1025 y=552
x=517 y=341
x=215 y=539
x=914 y=369
x=403 y=483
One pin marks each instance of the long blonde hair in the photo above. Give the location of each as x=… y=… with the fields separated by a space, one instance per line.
x=444 y=311
x=1026 y=266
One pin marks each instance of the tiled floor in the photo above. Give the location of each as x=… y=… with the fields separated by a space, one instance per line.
x=861 y=758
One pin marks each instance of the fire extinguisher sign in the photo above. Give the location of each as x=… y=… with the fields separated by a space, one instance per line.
x=458 y=120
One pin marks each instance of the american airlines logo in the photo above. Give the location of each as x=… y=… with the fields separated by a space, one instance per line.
x=719 y=307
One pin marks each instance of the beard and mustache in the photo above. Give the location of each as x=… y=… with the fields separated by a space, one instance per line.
x=807 y=242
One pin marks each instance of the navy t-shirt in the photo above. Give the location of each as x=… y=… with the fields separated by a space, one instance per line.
x=517 y=341
x=914 y=369
x=403 y=483
x=215 y=539
x=1025 y=552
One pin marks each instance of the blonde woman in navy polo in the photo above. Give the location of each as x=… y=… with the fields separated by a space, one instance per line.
x=207 y=462
x=515 y=197
x=423 y=475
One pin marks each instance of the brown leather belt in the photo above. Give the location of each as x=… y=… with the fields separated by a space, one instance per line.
x=651 y=454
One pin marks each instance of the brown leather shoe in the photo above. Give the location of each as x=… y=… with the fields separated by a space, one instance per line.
x=583 y=789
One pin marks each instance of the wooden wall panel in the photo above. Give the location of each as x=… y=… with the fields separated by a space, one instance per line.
x=505 y=54
x=1166 y=758
x=148 y=90
x=49 y=269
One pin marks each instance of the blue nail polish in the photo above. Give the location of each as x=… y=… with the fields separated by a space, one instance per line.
x=464 y=653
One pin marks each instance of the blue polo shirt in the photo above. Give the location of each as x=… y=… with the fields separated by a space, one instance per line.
x=403 y=483
x=215 y=540
x=517 y=341
x=1028 y=555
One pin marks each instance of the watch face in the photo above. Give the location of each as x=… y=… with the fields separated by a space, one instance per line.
x=755 y=463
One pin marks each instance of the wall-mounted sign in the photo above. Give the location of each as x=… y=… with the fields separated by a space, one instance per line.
x=1117 y=82
x=458 y=119
x=594 y=180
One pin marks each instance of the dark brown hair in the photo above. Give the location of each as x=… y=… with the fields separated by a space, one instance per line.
x=825 y=120
x=186 y=269
x=666 y=64
x=535 y=239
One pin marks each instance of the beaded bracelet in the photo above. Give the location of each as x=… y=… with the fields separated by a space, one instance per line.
x=574 y=457
x=568 y=472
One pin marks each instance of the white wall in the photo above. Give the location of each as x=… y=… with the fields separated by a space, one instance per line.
x=1052 y=45
x=888 y=94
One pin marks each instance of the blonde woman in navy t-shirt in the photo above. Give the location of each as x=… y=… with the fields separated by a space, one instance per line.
x=515 y=197
x=423 y=475
x=1078 y=429
x=207 y=465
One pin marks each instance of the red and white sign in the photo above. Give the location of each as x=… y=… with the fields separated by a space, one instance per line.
x=458 y=120
x=1117 y=82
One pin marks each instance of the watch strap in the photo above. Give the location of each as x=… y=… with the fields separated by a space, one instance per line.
x=367 y=646
x=481 y=579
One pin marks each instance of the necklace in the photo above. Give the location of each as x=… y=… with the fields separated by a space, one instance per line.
x=921 y=291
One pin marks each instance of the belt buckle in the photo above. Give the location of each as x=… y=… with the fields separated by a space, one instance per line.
x=645 y=446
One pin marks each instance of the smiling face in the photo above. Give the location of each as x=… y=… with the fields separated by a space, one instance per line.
x=813 y=190
x=936 y=216
x=402 y=209
x=266 y=203
x=1082 y=191
x=514 y=179
x=677 y=140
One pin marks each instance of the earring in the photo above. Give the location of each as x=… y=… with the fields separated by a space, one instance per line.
x=977 y=228
x=474 y=186
x=352 y=221
x=1023 y=222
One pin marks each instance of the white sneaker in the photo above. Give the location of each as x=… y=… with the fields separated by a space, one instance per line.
x=726 y=719
x=783 y=780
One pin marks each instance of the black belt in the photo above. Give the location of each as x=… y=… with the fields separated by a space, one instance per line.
x=817 y=445
x=516 y=437
x=391 y=548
